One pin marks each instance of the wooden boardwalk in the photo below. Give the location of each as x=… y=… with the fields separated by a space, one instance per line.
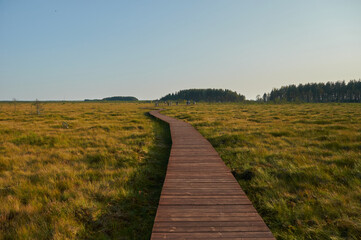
x=200 y=198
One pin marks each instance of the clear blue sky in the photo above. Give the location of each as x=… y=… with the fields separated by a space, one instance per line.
x=72 y=49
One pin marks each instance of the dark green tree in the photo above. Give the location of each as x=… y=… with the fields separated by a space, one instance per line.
x=317 y=92
x=205 y=95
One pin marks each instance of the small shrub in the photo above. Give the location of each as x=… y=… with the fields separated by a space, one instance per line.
x=335 y=146
x=321 y=122
x=346 y=162
x=99 y=159
x=35 y=140
x=128 y=127
x=246 y=175
x=281 y=134
x=229 y=140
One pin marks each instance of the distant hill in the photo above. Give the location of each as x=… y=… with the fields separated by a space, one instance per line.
x=119 y=98
x=116 y=98
x=317 y=92
x=206 y=95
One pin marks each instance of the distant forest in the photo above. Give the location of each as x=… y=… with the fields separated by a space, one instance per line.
x=316 y=92
x=117 y=98
x=205 y=95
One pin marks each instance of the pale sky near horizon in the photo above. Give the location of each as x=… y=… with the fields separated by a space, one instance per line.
x=72 y=50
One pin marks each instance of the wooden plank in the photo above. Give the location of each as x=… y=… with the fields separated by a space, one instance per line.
x=197 y=192
x=195 y=201
x=216 y=208
x=203 y=197
x=201 y=185
x=207 y=214
x=200 y=198
x=209 y=224
x=189 y=229
x=210 y=235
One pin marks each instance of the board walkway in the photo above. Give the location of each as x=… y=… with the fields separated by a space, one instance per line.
x=200 y=198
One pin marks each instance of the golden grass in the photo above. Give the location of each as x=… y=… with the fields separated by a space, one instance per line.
x=300 y=164
x=100 y=178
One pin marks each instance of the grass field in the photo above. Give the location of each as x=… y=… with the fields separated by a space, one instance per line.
x=95 y=170
x=80 y=170
x=300 y=164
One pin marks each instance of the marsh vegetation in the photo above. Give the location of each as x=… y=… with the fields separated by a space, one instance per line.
x=300 y=164
x=95 y=170
x=80 y=170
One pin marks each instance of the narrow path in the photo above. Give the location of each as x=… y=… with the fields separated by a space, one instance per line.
x=200 y=198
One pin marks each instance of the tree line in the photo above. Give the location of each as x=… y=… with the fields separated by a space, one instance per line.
x=116 y=98
x=206 y=95
x=316 y=92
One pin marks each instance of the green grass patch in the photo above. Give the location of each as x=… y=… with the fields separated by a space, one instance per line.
x=34 y=139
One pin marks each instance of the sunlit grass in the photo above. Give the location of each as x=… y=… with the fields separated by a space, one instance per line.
x=80 y=170
x=300 y=164
x=99 y=175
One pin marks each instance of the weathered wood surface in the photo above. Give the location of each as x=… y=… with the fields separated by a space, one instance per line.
x=200 y=198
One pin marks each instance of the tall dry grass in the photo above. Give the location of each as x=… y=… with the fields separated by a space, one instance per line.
x=80 y=170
